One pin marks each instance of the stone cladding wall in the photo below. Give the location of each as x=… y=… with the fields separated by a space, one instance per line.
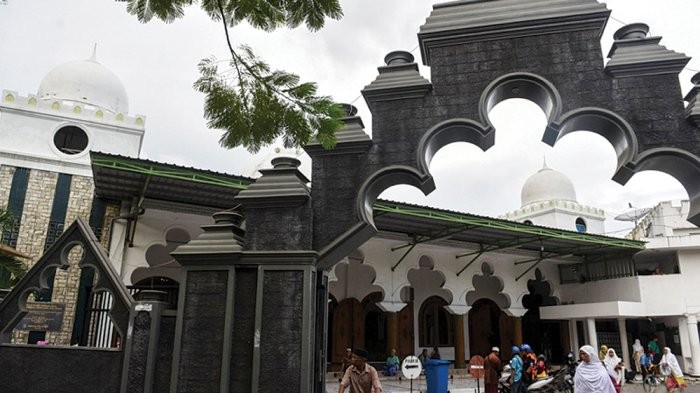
x=32 y=235
x=6 y=173
x=36 y=213
x=66 y=282
x=111 y=212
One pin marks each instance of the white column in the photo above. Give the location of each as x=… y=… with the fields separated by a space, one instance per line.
x=694 y=338
x=592 y=333
x=625 y=345
x=573 y=337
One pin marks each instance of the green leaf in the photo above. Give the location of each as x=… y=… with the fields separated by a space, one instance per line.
x=261 y=14
x=6 y=221
x=249 y=103
x=12 y=269
x=312 y=12
x=165 y=10
x=254 y=106
x=303 y=91
x=282 y=79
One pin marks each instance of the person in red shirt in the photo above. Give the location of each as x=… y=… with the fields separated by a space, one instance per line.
x=540 y=368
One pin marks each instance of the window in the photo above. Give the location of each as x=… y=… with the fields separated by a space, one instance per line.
x=70 y=140
x=580 y=225
x=527 y=222
x=435 y=327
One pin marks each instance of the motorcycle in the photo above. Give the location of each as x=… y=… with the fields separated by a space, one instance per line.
x=503 y=381
x=558 y=382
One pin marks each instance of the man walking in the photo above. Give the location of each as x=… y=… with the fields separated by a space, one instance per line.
x=516 y=366
x=361 y=377
x=492 y=367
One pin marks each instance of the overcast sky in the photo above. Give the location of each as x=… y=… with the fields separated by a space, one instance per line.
x=157 y=64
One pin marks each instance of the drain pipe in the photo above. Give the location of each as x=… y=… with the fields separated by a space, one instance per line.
x=129 y=217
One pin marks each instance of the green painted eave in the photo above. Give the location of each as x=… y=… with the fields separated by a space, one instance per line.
x=151 y=168
x=170 y=187
x=510 y=226
x=112 y=173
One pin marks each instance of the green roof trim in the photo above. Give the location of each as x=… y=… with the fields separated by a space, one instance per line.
x=167 y=171
x=193 y=175
x=486 y=222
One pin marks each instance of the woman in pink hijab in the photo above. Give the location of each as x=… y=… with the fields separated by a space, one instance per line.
x=592 y=376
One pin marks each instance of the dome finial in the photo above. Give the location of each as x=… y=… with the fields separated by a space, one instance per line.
x=544 y=162
x=94 y=53
x=86 y=82
x=547 y=185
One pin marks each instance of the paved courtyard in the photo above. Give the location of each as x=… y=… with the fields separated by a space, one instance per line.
x=468 y=385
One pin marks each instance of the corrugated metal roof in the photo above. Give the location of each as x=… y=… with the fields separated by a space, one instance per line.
x=432 y=224
x=124 y=178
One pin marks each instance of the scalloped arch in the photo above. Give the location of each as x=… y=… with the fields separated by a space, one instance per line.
x=616 y=130
x=13 y=307
x=522 y=85
x=382 y=180
x=368 y=193
x=682 y=165
x=450 y=131
x=43 y=283
x=488 y=286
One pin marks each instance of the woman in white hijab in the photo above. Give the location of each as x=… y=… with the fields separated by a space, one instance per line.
x=613 y=362
x=672 y=370
x=592 y=376
x=638 y=351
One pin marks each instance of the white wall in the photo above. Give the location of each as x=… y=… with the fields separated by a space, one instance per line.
x=560 y=214
x=27 y=133
x=150 y=230
x=658 y=295
x=619 y=289
x=689 y=265
x=442 y=280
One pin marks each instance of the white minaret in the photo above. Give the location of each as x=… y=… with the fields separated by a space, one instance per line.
x=80 y=106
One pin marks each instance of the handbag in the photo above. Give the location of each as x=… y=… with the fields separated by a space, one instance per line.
x=617 y=386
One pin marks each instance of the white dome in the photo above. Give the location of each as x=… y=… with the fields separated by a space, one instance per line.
x=547 y=185
x=87 y=82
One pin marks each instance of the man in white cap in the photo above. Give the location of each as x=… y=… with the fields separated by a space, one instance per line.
x=492 y=368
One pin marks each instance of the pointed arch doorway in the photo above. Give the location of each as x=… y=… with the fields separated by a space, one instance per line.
x=489 y=327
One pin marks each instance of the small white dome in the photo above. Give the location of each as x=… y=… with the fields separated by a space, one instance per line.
x=547 y=185
x=87 y=82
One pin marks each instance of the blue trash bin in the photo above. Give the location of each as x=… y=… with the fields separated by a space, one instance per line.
x=436 y=375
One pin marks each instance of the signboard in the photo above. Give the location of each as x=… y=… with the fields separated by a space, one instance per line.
x=43 y=317
x=411 y=367
x=476 y=366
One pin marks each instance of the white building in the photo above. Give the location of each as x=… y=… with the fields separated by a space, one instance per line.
x=548 y=198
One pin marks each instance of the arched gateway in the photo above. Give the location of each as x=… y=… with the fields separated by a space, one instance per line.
x=275 y=274
x=255 y=301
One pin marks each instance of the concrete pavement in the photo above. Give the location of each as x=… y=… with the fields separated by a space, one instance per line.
x=463 y=384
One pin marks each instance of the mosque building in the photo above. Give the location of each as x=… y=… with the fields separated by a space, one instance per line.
x=548 y=198
x=463 y=283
